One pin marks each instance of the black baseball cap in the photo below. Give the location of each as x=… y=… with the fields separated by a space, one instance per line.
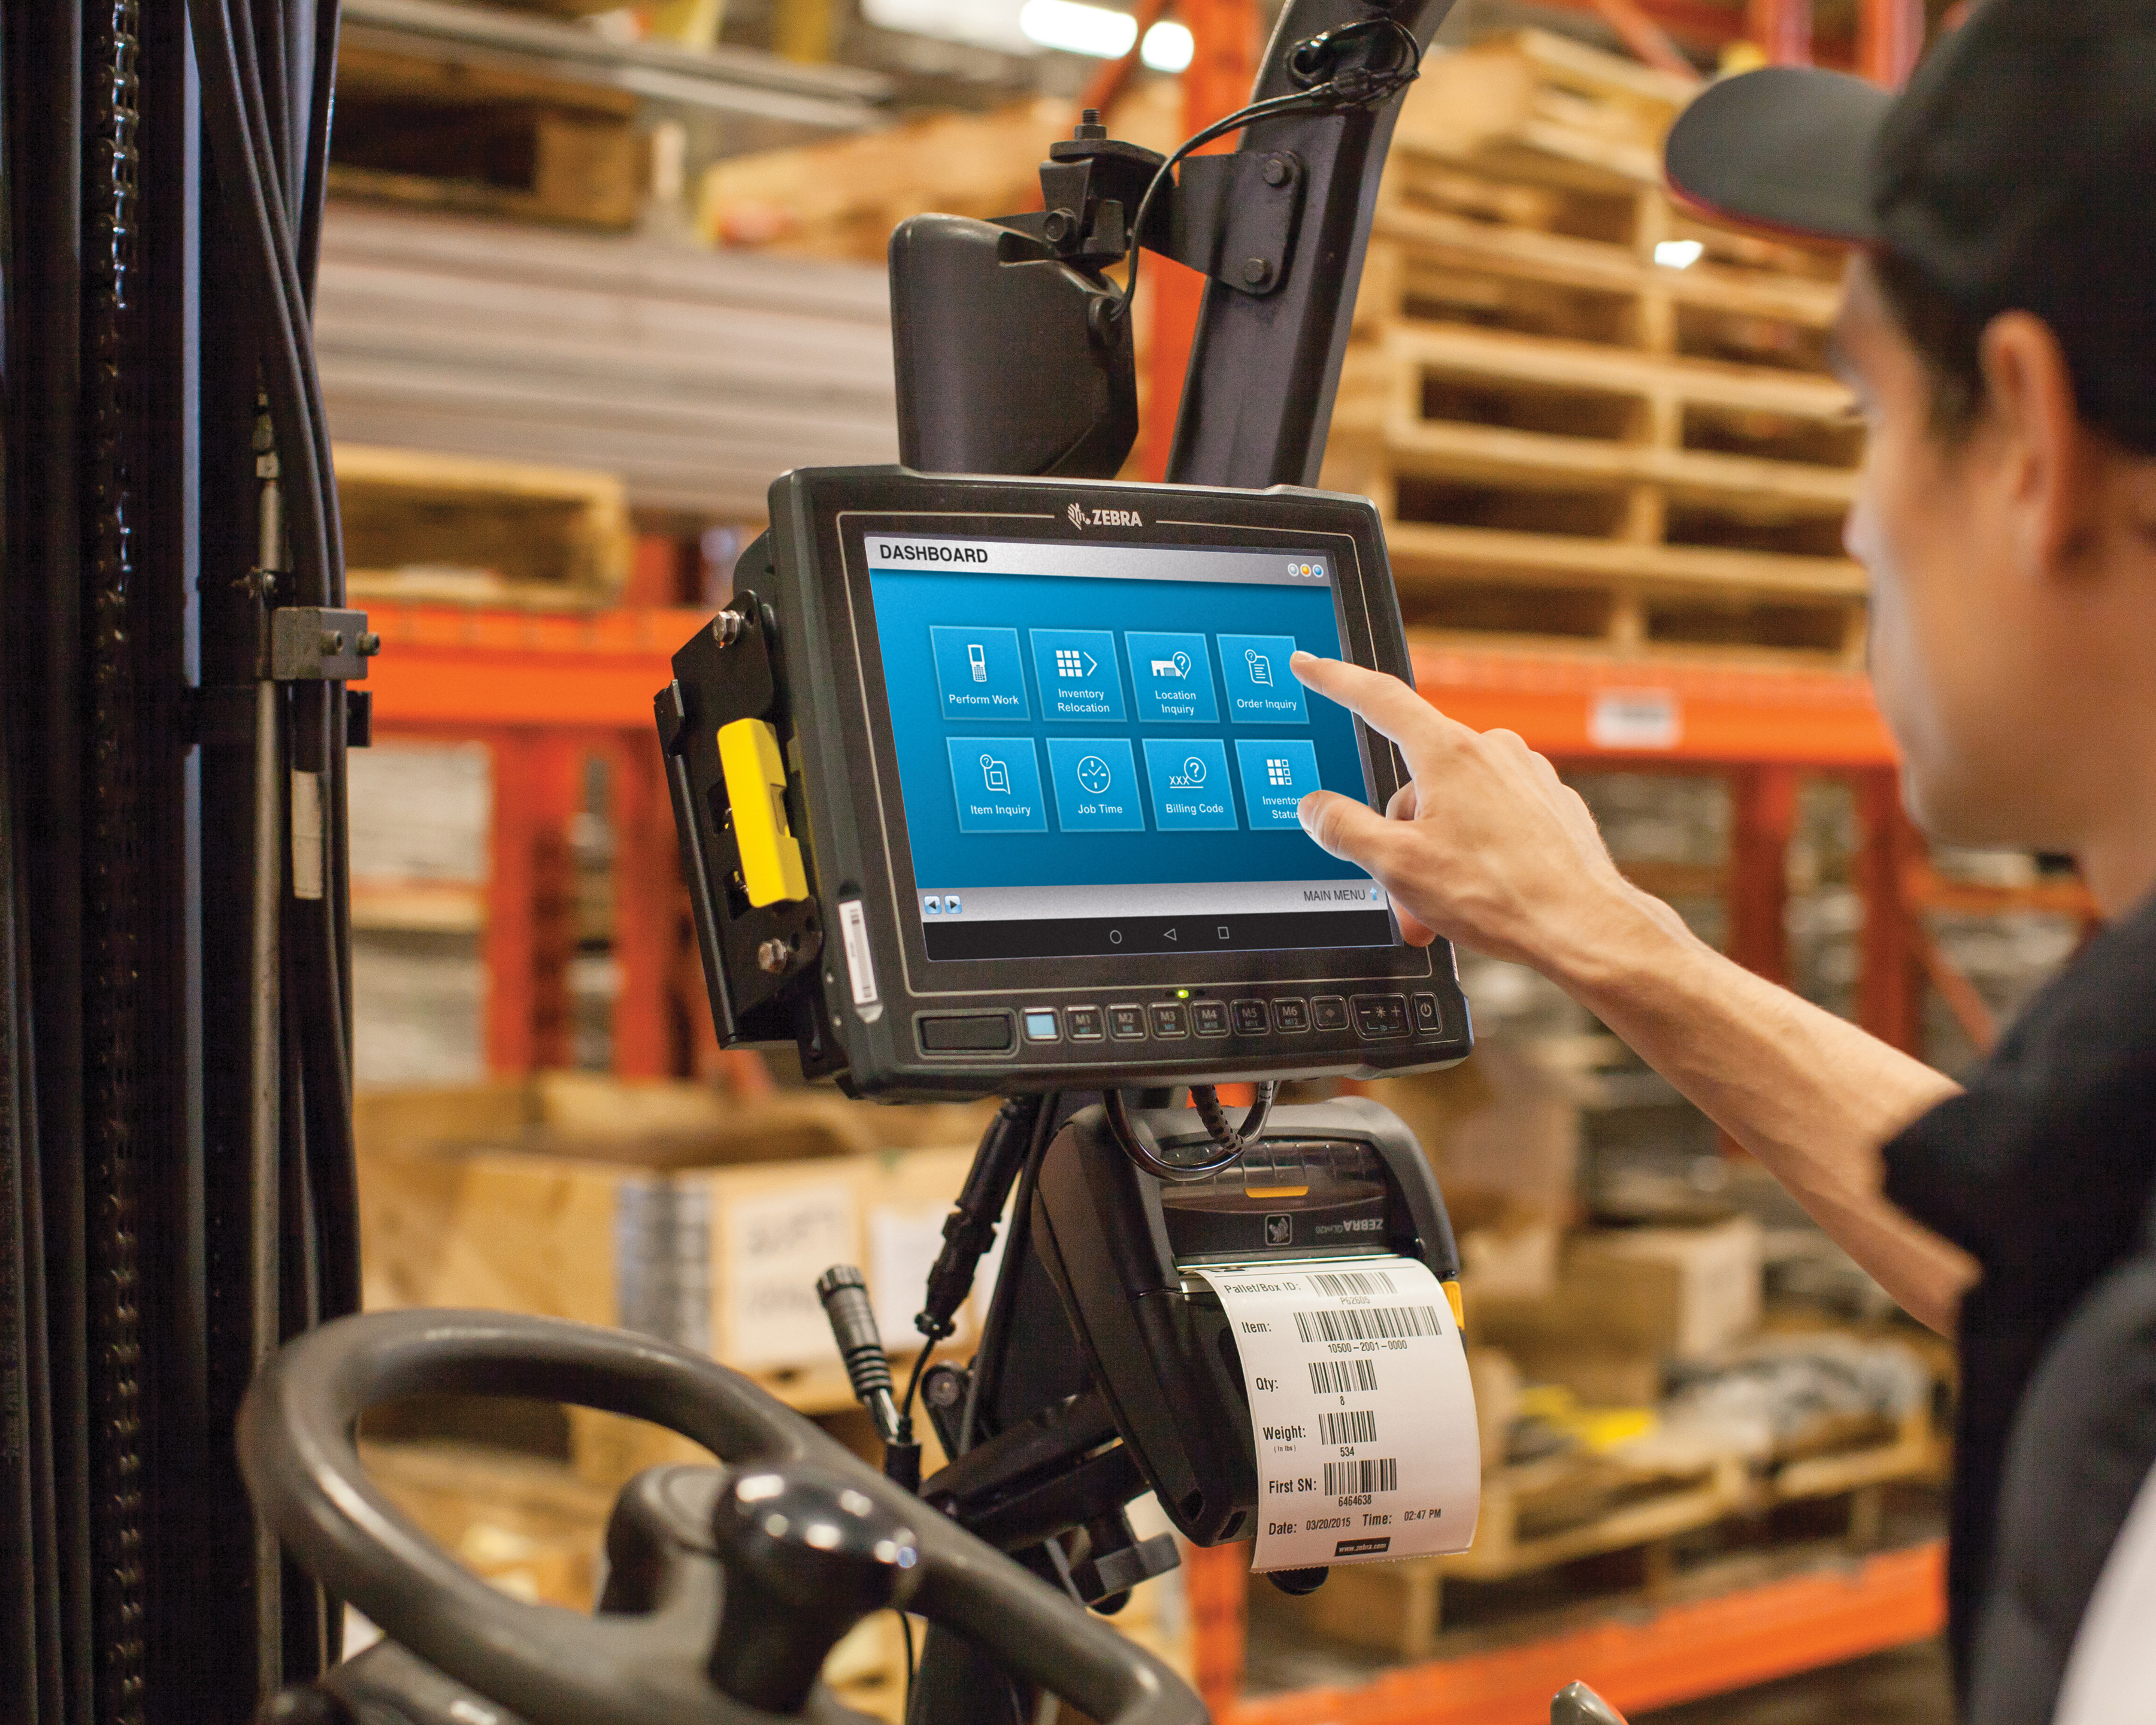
x=2016 y=172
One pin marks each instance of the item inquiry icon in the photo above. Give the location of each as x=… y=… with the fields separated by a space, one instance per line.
x=995 y=774
x=1094 y=775
x=1261 y=668
x=1192 y=776
x=1179 y=666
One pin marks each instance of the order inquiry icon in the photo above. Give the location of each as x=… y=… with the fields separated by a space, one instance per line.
x=1261 y=668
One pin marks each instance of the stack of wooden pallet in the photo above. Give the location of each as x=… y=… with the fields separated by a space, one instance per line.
x=420 y=525
x=1590 y=418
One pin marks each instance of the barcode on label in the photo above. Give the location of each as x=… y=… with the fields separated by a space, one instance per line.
x=1342 y=1477
x=1342 y=1377
x=1352 y=1281
x=1350 y=1425
x=1378 y=1323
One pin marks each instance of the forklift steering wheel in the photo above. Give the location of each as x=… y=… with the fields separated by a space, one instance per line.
x=728 y=1588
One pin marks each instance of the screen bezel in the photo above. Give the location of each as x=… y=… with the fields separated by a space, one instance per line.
x=926 y=505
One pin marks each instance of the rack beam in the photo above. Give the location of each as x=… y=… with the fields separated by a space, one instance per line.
x=1655 y=1659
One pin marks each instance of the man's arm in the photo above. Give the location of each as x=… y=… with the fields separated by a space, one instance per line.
x=1487 y=847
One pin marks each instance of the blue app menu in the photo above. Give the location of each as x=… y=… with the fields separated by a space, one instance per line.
x=1038 y=748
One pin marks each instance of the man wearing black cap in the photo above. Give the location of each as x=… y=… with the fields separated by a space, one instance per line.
x=1999 y=328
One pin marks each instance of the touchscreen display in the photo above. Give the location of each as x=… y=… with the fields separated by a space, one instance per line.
x=1101 y=747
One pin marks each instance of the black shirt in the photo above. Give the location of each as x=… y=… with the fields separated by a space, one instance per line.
x=2041 y=1171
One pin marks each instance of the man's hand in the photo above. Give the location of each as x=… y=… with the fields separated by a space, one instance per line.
x=1486 y=845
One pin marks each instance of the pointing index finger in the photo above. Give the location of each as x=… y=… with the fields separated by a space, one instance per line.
x=1384 y=703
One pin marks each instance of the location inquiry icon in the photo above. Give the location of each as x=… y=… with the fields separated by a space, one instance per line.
x=1179 y=666
x=995 y=774
x=1261 y=668
x=1094 y=776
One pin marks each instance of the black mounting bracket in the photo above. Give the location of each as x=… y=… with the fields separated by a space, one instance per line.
x=761 y=949
x=1234 y=218
x=1231 y=218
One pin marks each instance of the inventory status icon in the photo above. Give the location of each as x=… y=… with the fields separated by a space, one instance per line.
x=1278 y=772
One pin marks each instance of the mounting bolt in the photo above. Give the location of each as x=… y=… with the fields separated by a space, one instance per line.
x=1275 y=171
x=726 y=628
x=774 y=956
x=1256 y=272
x=332 y=642
x=1059 y=226
x=1088 y=126
x=368 y=644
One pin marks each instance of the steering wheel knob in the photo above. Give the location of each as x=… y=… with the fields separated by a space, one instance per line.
x=806 y=1555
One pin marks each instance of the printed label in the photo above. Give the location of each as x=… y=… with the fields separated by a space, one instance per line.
x=1361 y=1411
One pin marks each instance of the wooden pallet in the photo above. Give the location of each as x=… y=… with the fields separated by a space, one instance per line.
x=1541 y=1515
x=1535 y=1517
x=484 y=141
x=1573 y=443
x=423 y=526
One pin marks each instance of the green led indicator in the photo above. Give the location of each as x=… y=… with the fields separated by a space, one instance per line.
x=1183 y=993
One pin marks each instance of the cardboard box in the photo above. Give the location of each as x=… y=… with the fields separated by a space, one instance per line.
x=1687 y=1293
x=720 y=1260
x=1649 y=1293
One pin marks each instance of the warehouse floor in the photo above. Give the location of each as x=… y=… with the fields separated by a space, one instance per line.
x=1909 y=1685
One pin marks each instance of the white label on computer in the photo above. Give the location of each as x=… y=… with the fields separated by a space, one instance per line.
x=1361 y=1411
x=860 y=963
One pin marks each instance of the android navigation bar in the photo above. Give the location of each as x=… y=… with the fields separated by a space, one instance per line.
x=1109 y=937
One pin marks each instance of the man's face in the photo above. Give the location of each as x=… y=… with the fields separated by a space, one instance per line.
x=1956 y=654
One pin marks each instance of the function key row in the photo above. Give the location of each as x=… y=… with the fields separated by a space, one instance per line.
x=1374 y=1017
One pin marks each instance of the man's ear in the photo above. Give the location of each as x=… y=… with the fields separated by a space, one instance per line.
x=2047 y=452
